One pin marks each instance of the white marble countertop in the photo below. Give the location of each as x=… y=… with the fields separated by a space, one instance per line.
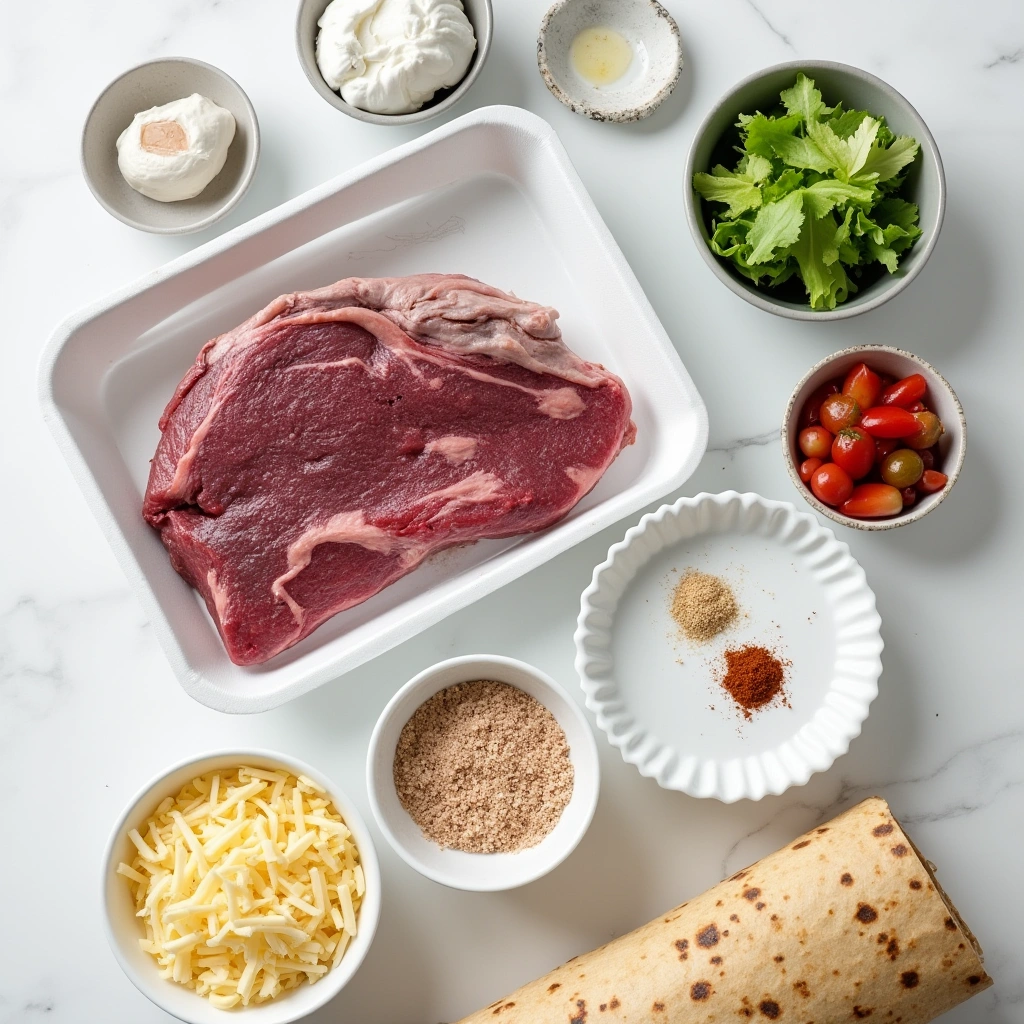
x=89 y=709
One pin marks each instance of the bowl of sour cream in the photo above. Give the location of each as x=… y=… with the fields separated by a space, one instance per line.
x=393 y=61
x=170 y=146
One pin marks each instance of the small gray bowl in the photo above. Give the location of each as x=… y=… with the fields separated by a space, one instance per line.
x=925 y=185
x=309 y=13
x=896 y=362
x=148 y=85
x=657 y=57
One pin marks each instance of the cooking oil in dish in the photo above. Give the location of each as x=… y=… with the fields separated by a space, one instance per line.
x=600 y=55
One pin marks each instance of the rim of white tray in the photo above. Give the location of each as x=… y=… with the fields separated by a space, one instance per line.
x=815 y=746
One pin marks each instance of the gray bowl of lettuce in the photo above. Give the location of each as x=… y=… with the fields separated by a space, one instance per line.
x=823 y=190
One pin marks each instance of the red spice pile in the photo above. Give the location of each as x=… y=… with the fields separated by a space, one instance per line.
x=753 y=677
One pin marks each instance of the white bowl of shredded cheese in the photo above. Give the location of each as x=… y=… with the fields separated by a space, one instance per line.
x=240 y=881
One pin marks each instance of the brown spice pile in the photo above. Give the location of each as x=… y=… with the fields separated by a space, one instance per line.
x=703 y=605
x=754 y=677
x=483 y=767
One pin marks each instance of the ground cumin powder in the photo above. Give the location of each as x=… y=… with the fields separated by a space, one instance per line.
x=753 y=677
x=483 y=767
x=702 y=605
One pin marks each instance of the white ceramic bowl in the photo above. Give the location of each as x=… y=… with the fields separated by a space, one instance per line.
x=124 y=929
x=148 y=85
x=308 y=15
x=478 y=872
x=657 y=697
x=941 y=400
x=657 y=57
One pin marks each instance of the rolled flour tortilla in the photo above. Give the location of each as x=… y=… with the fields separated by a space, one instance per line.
x=846 y=923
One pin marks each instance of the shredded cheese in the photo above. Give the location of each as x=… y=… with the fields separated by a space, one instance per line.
x=248 y=884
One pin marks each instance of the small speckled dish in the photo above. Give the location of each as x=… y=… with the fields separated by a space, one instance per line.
x=309 y=14
x=149 y=85
x=657 y=57
x=941 y=399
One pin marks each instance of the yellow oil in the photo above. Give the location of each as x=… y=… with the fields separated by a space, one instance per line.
x=600 y=55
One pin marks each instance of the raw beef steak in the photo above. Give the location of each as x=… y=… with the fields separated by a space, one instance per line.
x=324 y=448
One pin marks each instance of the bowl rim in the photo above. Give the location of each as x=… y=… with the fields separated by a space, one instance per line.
x=230 y=201
x=421 y=681
x=609 y=113
x=369 y=913
x=845 y=310
x=873 y=524
x=425 y=113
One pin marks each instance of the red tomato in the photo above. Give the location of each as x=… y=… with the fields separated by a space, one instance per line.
x=909 y=496
x=885 y=446
x=815 y=442
x=862 y=385
x=927 y=430
x=831 y=484
x=890 y=421
x=839 y=411
x=928 y=458
x=931 y=481
x=809 y=415
x=807 y=468
x=870 y=501
x=854 y=451
x=916 y=407
x=905 y=392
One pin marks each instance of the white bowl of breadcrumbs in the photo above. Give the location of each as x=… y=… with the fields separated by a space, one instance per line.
x=483 y=773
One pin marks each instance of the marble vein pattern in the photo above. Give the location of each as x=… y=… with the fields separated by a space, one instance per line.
x=89 y=709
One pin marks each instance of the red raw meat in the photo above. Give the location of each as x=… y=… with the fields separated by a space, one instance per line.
x=323 y=449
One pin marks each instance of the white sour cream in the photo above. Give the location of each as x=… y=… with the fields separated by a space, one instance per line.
x=174 y=151
x=391 y=56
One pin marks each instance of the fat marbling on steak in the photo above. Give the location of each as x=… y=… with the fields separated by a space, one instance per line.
x=324 y=448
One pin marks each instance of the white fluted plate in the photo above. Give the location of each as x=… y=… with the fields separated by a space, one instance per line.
x=658 y=697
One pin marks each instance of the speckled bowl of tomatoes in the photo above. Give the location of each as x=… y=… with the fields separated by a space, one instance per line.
x=874 y=437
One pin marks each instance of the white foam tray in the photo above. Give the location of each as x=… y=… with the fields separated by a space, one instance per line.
x=491 y=194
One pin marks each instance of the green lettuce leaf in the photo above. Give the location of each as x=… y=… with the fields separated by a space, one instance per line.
x=847 y=156
x=826 y=284
x=803 y=99
x=785 y=183
x=741 y=195
x=823 y=195
x=775 y=227
x=883 y=164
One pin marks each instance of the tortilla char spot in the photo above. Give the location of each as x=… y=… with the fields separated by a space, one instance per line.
x=760 y=906
x=716 y=960
x=708 y=937
x=950 y=924
x=719 y=903
x=725 y=933
x=682 y=945
x=700 y=991
x=821 y=831
x=846 y=879
x=915 y=884
x=734 y=917
x=770 y=1009
x=883 y=830
x=603 y=1007
x=892 y=948
x=899 y=850
x=751 y=894
x=553 y=986
x=866 y=913
x=778 y=958
x=860 y=1012
x=801 y=989
x=800 y=846
x=658 y=1007
x=974 y=980
x=614 y=1003
x=738 y=876
x=909 y=979
x=580 y=1017
x=746 y=1011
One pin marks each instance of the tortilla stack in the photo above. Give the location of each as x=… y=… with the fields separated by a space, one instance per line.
x=847 y=923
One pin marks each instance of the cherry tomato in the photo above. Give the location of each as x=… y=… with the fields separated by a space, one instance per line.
x=903 y=468
x=909 y=496
x=839 y=411
x=807 y=468
x=815 y=442
x=916 y=407
x=928 y=430
x=831 y=484
x=885 y=445
x=862 y=385
x=870 y=501
x=905 y=392
x=811 y=411
x=854 y=451
x=931 y=481
x=928 y=457
x=890 y=421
